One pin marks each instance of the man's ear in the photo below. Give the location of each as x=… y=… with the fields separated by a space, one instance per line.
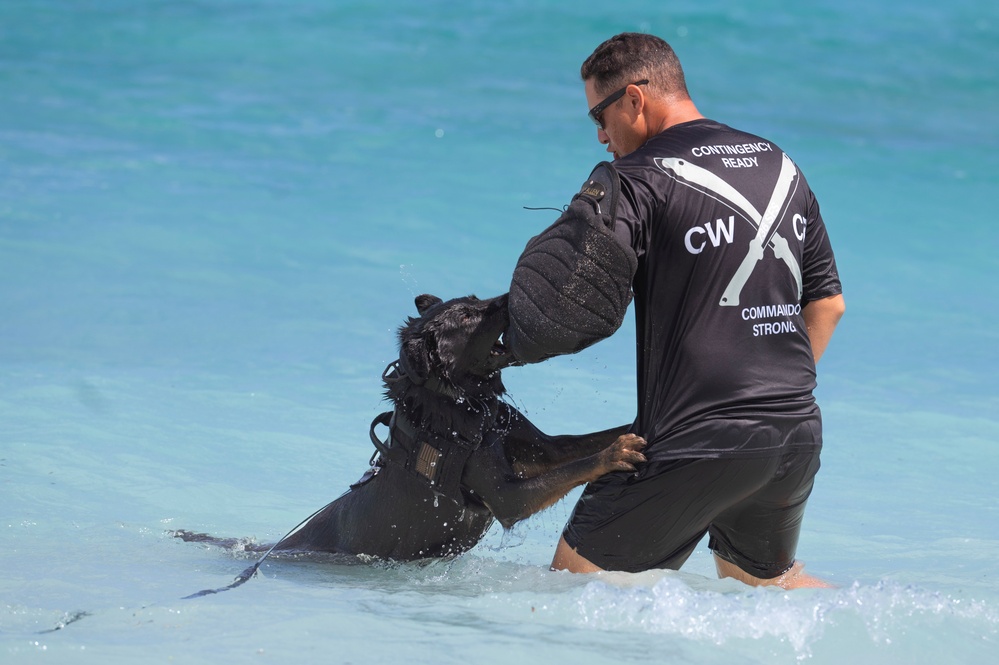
x=425 y=302
x=636 y=99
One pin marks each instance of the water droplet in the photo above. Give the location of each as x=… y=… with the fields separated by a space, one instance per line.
x=436 y=504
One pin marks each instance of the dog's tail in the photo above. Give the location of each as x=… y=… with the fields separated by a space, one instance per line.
x=228 y=544
x=244 y=576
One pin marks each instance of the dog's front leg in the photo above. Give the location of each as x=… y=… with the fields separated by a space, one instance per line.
x=512 y=498
x=532 y=452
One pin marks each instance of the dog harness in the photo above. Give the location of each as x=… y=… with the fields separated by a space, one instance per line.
x=435 y=459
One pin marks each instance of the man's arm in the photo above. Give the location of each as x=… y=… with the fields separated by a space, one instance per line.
x=572 y=284
x=821 y=317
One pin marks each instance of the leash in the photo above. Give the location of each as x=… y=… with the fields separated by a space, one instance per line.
x=451 y=466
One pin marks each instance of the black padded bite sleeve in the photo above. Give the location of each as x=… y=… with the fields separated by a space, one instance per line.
x=572 y=284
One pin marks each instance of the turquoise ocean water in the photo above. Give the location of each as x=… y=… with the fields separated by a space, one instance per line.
x=214 y=214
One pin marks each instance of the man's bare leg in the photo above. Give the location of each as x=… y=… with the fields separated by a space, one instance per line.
x=567 y=558
x=792 y=579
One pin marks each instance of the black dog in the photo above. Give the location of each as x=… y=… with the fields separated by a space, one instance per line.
x=456 y=457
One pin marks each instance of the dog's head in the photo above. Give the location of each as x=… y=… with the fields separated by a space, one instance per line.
x=458 y=343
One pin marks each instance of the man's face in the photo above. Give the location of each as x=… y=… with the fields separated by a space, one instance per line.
x=622 y=121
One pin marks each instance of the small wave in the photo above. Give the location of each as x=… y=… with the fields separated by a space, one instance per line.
x=800 y=618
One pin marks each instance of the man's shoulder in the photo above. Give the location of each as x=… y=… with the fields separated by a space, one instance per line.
x=704 y=138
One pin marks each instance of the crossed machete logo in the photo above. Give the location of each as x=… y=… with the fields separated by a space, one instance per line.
x=766 y=224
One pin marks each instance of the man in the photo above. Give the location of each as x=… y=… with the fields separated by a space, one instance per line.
x=736 y=297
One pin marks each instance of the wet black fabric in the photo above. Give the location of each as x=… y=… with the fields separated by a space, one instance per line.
x=709 y=351
x=752 y=508
x=572 y=284
x=434 y=459
x=730 y=247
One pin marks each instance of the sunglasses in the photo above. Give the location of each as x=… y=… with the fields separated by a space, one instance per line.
x=596 y=113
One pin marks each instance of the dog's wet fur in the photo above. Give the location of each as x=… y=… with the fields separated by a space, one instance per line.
x=448 y=382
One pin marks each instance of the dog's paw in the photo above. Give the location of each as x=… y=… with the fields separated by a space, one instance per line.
x=624 y=453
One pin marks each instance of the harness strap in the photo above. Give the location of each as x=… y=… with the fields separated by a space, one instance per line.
x=437 y=460
x=400 y=368
x=381 y=446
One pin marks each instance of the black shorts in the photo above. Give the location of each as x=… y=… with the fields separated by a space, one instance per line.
x=752 y=507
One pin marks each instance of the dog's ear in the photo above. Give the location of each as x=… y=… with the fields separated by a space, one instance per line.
x=416 y=356
x=425 y=302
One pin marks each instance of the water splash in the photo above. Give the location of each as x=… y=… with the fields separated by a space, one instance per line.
x=883 y=611
x=409 y=280
x=515 y=536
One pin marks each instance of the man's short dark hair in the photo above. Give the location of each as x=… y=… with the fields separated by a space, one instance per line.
x=632 y=56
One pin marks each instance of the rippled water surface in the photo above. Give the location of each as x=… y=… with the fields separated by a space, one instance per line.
x=214 y=215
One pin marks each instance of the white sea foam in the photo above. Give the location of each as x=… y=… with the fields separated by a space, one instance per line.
x=801 y=618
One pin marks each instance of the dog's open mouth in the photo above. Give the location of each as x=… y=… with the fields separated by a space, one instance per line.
x=499 y=352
